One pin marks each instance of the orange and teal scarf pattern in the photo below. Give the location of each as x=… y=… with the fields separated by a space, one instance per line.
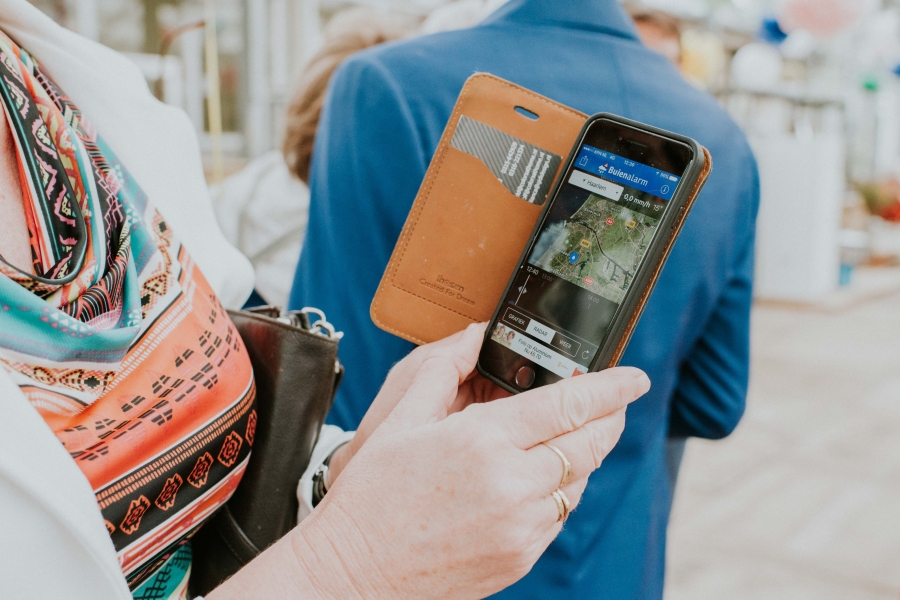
x=117 y=340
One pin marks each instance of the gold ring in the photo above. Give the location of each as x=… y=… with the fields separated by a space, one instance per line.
x=567 y=466
x=562 y=505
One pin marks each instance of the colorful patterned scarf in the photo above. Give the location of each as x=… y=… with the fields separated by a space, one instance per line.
x=117 y=339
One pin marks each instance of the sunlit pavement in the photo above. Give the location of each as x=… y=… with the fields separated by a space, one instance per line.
x=803 y=501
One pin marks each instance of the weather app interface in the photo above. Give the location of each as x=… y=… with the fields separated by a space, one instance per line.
x=584 y=260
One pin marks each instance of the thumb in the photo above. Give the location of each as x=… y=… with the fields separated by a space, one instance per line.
x=434 y=387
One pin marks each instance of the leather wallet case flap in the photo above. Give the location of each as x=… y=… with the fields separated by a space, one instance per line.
x=476 y=208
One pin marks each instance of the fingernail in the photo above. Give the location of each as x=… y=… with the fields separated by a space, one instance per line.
x=642 y=382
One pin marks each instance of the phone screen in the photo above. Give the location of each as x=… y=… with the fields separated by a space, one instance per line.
x=590 y=246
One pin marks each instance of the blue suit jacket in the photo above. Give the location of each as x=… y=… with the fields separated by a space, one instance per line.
x=381 y=124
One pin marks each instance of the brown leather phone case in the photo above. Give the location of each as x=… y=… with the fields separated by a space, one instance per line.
x=466 y=231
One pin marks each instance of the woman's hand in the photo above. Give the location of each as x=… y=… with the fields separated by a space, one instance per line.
x=442 y=504
x=473 y=389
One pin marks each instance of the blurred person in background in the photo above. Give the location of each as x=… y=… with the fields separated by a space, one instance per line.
x=263 y=209
x=385 y=113
x=127 y=400
x=659 y=31
x=347 y=33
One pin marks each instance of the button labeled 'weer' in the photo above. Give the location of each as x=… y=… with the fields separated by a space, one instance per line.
x=566 y=344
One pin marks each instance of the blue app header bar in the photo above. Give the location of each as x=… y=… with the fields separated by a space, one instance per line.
x=626 y=172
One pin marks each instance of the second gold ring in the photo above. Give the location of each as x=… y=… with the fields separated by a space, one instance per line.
x=562 y=504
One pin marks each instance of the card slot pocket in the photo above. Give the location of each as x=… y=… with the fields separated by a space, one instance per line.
x=525 y=169
x=466 y=238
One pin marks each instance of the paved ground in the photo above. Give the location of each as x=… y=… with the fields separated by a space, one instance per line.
x=803 y=501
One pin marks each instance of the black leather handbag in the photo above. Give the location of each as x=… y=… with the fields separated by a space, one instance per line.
x=297 y=373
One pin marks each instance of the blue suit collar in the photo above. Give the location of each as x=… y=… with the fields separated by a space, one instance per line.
x=606 y=16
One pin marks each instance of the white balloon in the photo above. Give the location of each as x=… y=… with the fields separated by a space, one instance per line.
x=798 y=45
x=757 y=67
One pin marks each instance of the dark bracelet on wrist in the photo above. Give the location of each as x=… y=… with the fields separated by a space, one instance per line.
x=318 y=480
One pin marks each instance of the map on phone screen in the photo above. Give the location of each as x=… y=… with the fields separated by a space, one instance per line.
x=599 y=247
x=600 y=229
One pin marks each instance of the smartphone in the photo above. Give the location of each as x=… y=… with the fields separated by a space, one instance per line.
x=573 y=299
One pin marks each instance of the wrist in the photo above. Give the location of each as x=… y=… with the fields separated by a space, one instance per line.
x=312 y=561
x=330 y=559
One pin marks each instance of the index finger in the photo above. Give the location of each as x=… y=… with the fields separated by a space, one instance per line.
x=550 y=411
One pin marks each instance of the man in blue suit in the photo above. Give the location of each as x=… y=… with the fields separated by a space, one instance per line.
x=385 y=113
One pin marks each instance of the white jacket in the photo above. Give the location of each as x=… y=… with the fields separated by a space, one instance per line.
x=263 y=211
x=53 y=543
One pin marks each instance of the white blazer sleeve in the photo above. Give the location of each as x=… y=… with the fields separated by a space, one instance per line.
x=53 y=543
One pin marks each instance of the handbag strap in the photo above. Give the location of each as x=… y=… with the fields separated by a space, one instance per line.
x=232 y=536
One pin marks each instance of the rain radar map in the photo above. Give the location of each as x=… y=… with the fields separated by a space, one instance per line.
x=599 y=247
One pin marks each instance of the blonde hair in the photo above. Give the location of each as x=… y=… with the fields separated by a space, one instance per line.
x=348 y=32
